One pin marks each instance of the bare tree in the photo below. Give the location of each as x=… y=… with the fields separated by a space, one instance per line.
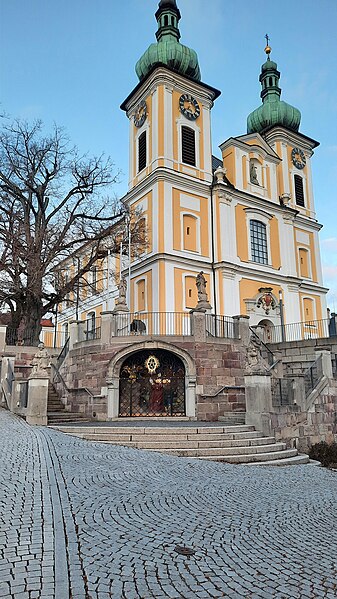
x=51 y=206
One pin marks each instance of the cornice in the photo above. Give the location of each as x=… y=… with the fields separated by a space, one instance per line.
x=280 y=134
x=163 y=75
x=171 y=176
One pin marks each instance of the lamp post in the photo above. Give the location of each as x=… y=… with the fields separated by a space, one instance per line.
x=283 y=336
x=77 y=288
x=128 y=228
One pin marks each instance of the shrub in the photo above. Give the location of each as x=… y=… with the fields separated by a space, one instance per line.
x=326 y=453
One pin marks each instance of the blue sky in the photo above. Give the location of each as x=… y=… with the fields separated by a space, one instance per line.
x=72 y=62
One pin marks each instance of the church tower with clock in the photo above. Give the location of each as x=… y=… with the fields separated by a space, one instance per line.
x=171 y=170
x=247 y=219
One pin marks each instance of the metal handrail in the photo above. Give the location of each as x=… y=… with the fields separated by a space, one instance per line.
x=70 y=389
x=271 y=358
x=63 y=353
x=313 y=375
x=298 y=331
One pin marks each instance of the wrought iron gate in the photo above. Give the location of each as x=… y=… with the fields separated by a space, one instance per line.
x=152 y=383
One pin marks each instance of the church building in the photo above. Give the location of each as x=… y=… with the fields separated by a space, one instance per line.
x=247 y=220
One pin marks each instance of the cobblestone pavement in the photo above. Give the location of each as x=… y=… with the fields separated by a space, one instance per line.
x=85 y=520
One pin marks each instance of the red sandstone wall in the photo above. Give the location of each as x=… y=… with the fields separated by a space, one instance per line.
x=218 y=364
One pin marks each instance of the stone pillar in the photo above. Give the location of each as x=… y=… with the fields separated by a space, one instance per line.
x=3 y=328
x=37 y=399
x=113 y=398
x=107 y=320
x=74 y=333
x=326 y=361
x=259 y=401
x=241 y=328
x=199 y=325
x=120 y=323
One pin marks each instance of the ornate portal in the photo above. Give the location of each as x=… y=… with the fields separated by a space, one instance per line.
x=152 y=384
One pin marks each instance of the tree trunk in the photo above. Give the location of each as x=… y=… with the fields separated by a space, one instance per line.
x=32 y=330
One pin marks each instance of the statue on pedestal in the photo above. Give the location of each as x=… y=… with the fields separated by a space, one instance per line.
x=253 y=173
x=255 y=363
x=121 y=305
x=203 y=303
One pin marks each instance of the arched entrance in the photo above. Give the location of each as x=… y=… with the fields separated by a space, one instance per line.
x=267 y=329
x=152 y=383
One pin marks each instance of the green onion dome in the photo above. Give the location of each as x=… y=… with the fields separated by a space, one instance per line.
x=168 y=50
x=273 y=110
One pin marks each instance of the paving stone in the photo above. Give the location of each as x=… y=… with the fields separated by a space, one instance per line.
x=116 y=514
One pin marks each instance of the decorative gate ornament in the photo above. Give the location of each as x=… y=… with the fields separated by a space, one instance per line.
x=152 y=363
x=266 y=300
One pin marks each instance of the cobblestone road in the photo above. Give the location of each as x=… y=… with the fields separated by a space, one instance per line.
x=85 y=520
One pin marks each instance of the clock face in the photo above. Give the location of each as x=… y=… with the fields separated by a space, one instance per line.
x=189 y=107
x=140 y=114
x=298 y=158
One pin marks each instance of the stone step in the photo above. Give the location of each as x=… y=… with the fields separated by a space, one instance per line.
x=108 y=435
x=129 y=440
x=59 y=417
x=293 y=461
x=233 y=418
x=269 y=458
x=219 y=451
x=160 y=431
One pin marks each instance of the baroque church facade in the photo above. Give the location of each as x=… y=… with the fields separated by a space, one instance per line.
x=246 y=220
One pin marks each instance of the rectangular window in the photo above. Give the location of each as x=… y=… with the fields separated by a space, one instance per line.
x=299 y=192
x=258 y=239
x=188 y=145
x=142 y=151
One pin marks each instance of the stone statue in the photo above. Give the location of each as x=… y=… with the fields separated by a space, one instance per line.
x=122 y=291
x=203 y=303
x=41 y=362
x=201 y=285
x=121 y=305
x=253 y=173
x=254 y=361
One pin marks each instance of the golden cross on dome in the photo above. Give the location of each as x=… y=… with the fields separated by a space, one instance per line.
x=267 y=48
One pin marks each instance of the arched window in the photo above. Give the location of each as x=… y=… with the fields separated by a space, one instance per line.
x=299 y=191
x=91 y=325
x=188 y=145
x=190 y=233
x=258 y=241
x=142 y=151
x=141 y=295
x=191 y=296
x=309 y=312
x=166 y=21
x=304 y=263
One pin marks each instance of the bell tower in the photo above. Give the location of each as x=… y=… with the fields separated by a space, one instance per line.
x=170 y=170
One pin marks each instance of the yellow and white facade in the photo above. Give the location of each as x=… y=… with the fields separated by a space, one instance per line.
x=247 y=219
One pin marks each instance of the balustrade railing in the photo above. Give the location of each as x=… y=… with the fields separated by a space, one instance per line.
x=90 y=330
x=220 y=326
x=297 y=331
x=153 y=323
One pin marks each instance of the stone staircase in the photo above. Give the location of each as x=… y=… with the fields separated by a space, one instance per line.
x=56 y=411
x=238 y=444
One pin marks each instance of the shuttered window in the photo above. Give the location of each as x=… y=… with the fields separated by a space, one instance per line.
x=299 y=192
x=142 y=151
x=188 y=145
